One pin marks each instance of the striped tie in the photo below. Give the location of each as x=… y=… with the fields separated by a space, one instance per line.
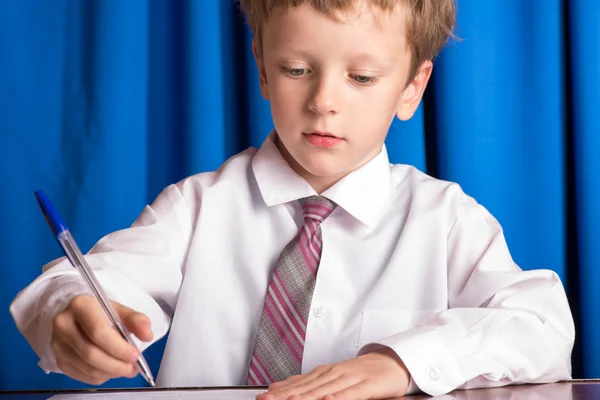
x=280 y=341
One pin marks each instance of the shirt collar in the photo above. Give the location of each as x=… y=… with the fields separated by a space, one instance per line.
x=361 y=193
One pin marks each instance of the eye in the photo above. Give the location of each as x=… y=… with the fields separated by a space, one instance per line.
x=295 y=72
x=363 y=79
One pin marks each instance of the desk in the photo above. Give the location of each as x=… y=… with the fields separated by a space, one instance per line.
x=569 y=390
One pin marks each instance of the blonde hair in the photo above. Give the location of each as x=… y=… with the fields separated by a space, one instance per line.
x=429 y=22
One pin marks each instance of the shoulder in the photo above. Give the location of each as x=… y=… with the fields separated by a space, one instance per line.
x=427 y=195
x=429 y=190
x=233 y=173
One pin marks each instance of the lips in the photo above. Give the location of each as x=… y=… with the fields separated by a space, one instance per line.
x=324 y=134
x=323 y=139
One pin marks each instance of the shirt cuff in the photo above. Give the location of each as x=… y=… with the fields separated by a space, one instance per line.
x=35 y=311
x=432 y=366
x=412 y=387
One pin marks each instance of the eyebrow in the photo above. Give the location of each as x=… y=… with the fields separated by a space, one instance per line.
x=288 y=48
x=371 y=58
x=367 y=57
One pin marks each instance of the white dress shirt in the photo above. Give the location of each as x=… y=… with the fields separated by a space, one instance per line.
x=408 y=261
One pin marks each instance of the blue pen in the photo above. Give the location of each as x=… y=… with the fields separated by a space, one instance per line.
x=71 y=250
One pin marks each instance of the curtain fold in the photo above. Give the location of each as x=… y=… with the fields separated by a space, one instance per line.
x=103 y=103
x=584 y=43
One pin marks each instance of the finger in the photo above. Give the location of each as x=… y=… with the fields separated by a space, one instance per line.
x=302 y=387
x=72 y=335
x=355 y=392
x=67 y=332
x=137 y=323
x=87 y=353
x=296 y=380
x=90 y=317
x=277 y=386
x=331 y=387
x=71 y=370
x=288 y=381
x=74 y=345
x=100 y=372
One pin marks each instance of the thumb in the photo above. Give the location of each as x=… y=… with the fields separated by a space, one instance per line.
x=137 y=323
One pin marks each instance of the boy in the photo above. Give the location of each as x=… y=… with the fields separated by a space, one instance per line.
x=416 y=289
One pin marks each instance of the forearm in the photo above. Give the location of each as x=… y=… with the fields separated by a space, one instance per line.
x=524 y=335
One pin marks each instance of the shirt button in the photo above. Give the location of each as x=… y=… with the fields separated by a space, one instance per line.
x=434 y=375
x=319 y=312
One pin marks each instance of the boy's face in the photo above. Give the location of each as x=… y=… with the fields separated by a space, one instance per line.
x=335 y=87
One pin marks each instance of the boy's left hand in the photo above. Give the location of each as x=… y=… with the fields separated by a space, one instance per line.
x=377 y=375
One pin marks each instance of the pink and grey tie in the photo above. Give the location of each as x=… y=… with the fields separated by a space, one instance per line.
x=280 y=341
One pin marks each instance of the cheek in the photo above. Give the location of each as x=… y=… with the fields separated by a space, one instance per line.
x=280 y=109
x=376 y=112
x=286 y=104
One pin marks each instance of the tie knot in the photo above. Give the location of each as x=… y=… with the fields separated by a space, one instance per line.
x=316 y=208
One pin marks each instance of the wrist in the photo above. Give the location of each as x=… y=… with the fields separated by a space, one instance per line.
x=395 y=364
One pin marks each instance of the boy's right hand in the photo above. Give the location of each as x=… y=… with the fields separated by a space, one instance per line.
x=89 y=349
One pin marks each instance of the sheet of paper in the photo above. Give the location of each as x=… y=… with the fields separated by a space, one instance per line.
x=223 y=394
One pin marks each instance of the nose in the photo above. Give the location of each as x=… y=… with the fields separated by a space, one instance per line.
x=325 y=99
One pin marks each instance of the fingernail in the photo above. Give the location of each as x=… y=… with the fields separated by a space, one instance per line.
x=134 y=356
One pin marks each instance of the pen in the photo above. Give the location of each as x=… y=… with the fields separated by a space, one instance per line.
x=71 y=250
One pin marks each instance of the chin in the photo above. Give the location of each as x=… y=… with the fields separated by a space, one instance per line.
x=324 y=170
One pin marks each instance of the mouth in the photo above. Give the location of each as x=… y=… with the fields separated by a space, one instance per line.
x=323 y=134
x=323 y=139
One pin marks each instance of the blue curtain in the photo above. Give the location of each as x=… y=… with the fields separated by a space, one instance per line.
x=105 y=102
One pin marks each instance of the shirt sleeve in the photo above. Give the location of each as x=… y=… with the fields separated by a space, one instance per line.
x=139 y=267
x=503 y=325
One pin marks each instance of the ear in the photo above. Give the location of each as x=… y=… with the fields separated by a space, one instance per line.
x=413 y=93
x=262 y=75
